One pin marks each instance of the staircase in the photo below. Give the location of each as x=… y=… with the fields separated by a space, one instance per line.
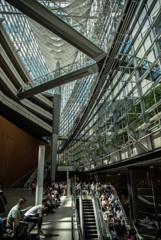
x=90 y=228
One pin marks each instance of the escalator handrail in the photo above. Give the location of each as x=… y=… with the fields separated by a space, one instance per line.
x=76 y=216
x=81 y=215
x=123 y=211
x=125 y=217
x=101 y=213
x=98 y=220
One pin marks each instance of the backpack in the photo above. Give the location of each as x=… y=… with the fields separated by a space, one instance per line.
x=132 y=237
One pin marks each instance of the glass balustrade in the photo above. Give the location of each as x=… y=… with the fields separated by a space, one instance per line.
x=56 y=74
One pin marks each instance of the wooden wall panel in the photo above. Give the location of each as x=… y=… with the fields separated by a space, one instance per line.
x=18 y=152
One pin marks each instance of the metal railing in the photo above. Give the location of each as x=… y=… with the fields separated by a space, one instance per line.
x=57 y=73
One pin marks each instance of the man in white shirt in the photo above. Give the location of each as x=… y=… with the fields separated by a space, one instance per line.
x=34 y=214
x=93 y=188
x=119 y=213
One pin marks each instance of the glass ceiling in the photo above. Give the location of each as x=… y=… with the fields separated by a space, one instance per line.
x=42 y=51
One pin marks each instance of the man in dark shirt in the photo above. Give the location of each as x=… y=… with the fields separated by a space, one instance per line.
x=14 y=217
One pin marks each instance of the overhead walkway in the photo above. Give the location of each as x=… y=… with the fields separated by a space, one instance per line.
x=58 y=77
x=55 y=24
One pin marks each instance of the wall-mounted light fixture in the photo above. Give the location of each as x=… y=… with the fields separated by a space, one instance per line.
x=151 y=167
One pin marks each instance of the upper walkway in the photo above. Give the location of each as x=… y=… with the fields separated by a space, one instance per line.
x=58 y=77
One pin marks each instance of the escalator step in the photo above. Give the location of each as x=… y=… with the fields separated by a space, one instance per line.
x=88 y=210
x=89 y=215
x=90 y=222
x=89 y=231
x=90 y=205
x=87 y=205
x=91 y=236
x=86 y=223
x=90 y=226
x=88 y=238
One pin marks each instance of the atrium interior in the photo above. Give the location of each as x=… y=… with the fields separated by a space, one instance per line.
x=83 y=78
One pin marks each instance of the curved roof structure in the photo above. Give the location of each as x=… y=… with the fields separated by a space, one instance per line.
x=101 y=56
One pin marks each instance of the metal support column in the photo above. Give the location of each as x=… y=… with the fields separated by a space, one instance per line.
x=132 y=194
x=56 y=119
x=40 y=175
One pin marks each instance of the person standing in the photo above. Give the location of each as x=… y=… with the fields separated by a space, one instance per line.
x=33 y=187
x=93 y=188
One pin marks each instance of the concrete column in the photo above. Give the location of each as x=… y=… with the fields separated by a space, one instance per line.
x=56 y=119
x=40 y=175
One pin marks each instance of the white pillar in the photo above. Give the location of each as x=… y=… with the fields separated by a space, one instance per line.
x=68 y=186
x=40 y=175
x=75 y=180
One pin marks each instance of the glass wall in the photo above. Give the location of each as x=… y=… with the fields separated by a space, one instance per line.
x=130 y=106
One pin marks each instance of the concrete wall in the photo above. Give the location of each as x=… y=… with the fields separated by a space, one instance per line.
x=18 y=152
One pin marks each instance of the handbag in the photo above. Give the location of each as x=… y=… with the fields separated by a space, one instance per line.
x=22 y=229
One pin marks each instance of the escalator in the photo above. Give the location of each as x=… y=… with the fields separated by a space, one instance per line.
x=90 y=228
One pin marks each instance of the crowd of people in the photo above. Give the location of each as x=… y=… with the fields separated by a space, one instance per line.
x=110 y=205
x=111 y=208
